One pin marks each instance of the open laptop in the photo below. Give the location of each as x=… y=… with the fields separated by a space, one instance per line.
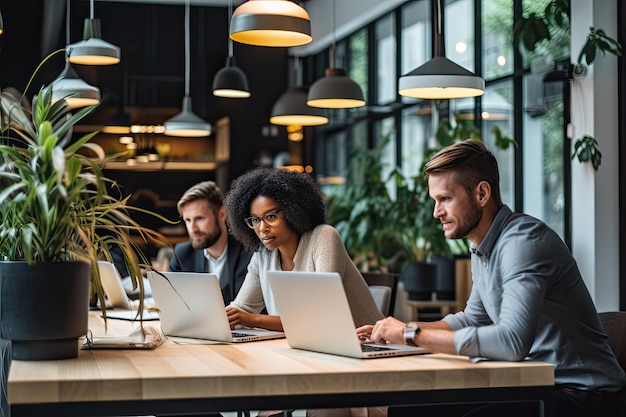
x=316 y=316
x=190 y=305
x=117 y=297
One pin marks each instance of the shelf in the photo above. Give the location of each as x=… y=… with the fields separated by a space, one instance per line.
x=163 y=166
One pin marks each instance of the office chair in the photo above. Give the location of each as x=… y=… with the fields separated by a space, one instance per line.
x=614 y=324
x=383 y=287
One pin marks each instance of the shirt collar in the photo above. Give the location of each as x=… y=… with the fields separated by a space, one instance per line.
x=486 y=246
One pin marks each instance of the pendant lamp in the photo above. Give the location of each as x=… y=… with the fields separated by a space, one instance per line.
x=92 y=50
x=440 y=78
x=291 y=108
x=336 y=90
x=271 y=23
x=76 y=92
x=1 y=24
x=69 y=86
x=186 y=123
x=230 y=81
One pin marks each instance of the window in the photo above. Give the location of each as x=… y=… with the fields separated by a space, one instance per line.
x=517 y=101
x=386 y=77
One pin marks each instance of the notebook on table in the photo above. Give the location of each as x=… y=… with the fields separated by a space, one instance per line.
x=190 y=305
x=116 y=295
x=316 y=316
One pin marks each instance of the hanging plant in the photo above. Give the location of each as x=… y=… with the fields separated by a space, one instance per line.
x=598 y=40
x=586 y=150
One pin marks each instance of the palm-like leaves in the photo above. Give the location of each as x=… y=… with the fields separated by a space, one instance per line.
x=55 y=202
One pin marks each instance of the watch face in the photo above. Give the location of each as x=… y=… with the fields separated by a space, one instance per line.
x=411 y=326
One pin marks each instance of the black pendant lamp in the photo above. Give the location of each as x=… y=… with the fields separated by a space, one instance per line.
x=230 y=81
x=291 y=109
x=335 y=90
x=440 y=78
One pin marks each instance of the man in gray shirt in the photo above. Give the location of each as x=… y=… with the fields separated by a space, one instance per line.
x=528 y=298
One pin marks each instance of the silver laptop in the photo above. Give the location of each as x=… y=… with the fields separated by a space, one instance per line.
x=316 y=316
x=191 y=305
x=117 y=296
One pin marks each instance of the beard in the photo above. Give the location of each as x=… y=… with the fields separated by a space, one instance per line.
x=470 y=221
x=209 y=239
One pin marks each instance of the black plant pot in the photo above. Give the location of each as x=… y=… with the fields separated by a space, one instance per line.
x=445 y=284
x=44 y=308
x=419 y=280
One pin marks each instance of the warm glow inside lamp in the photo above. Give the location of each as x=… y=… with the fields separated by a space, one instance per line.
x=92 y=50
x=230 y=81
x=271 y=23
x=335 y=90
x=440 y=78
x=186 y=123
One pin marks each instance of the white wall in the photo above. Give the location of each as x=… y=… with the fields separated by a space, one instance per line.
x=595 y=211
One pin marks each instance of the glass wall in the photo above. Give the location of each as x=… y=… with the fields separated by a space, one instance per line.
x=520 y=118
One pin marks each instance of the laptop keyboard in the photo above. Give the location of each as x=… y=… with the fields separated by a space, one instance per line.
x=236 y=334
x=370 y=348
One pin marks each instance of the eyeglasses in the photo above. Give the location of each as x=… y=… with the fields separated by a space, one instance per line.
x=270 y=218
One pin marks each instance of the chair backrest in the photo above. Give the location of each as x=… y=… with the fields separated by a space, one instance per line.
x=378 y=282
x=382 y=297
x=614 y=324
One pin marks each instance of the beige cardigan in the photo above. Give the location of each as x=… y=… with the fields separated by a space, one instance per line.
x=319 y=250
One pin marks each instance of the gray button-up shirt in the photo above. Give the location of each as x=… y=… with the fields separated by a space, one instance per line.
x=528 y=299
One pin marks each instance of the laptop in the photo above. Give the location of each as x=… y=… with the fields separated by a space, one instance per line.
x=190 y=305
x=316 y=316
x=117 y=297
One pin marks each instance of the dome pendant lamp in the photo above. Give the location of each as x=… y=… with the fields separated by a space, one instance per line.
x=336 y=90
x=1 y=24
x=92 y=50
x=271 y=23
x=230 y=81
x=440 y=78
x=68 y=85
x=76 y=92
x=186 y=123
x=291 y=108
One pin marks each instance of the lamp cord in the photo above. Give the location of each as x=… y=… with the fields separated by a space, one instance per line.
x=67 y=23
x=186 y=48
x=230 y=41
x=439 y=47
x=332 y=34
x=91 y=13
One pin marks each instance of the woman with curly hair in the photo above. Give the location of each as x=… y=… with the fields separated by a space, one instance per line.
x=280 y=215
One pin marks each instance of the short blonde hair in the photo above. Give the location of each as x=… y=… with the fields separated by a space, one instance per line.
x=206 y=190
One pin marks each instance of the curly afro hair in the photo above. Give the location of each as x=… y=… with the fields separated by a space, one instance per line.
x=296 y=193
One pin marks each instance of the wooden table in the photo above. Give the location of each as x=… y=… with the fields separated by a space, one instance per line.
x=179 y=378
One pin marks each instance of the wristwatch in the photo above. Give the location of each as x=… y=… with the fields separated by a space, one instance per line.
x=410 y=331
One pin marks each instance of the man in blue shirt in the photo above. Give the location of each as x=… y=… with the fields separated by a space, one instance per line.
x=528 y=298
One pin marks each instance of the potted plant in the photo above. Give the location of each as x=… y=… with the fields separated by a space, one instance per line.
x=58 y=216
x=359 y=211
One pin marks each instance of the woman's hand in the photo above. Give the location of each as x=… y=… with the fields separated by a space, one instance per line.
x=239 y=317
